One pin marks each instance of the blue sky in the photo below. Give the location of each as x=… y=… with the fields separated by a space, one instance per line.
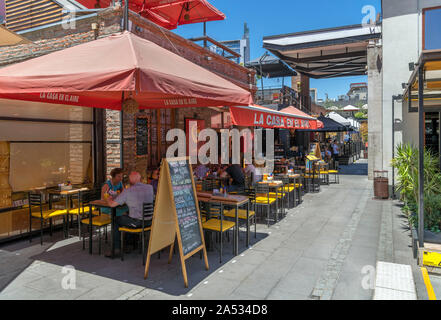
x=266 y=18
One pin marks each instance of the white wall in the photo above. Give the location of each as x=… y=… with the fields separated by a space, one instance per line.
x=401 y=45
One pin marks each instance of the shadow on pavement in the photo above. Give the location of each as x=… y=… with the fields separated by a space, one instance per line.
x=164 y=277
x=355 y=169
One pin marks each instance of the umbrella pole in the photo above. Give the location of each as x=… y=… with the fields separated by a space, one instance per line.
x=126 y=15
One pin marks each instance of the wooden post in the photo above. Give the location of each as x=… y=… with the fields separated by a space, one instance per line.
x=5 y=189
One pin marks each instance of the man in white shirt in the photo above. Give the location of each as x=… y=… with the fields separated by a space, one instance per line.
x=257 y=175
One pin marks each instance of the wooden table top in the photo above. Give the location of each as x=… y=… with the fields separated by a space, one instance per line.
x=230 y=199
x=272 y=183
x=66 y=192
x=100 y=203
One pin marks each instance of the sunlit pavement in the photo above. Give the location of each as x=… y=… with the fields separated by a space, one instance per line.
x=326 y=248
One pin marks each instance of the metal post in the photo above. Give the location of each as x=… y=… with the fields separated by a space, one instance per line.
x=126 y=15
x=121 y=137
x=421 y=155
x=393 y=145
x=205 y=34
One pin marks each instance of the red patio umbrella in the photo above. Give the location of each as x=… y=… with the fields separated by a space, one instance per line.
x=100 y=72
x=293 y=110
x=181 y=12
x=167 y=13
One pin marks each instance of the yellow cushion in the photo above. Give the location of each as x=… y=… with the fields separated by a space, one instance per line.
x=310 y=176
x=49 y=213
x=274 y=195
x=324 y=172
x=86 y=210
x=214 y=224
x=125 y=229
x=333 y=171
x=241 y=213
x=99 y=220
x=265 y=200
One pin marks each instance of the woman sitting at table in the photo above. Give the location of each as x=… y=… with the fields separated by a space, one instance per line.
x=112 y=188
x=155 y=180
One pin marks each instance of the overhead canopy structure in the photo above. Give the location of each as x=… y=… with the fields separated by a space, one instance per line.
x=258 y=116
x=325 y=53
x=104 y=72
x=340 y=119
x=271 y=67
x=430 y=62
x=329 y=125
x=423 y=94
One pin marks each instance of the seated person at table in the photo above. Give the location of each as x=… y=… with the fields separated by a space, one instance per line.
x=112 y=188
x=155 y=180
x=238 y=177
x=255 y=172
x=134 y=197
x=201 y=171
x=328 y=154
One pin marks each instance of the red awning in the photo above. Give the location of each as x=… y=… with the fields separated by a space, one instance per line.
x=258 y=116
x=96 y=74
x=293 y=110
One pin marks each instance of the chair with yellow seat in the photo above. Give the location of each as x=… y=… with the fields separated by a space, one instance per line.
x=242 y=213
x=289 y=190
x=312 y=178
x=216 y=223
x=83 y=207
x=264 y=200
x=336 y=175
x=147 y=216
x=98 y=221
x=36 y=200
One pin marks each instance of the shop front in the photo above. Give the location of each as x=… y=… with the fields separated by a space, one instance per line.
x=53 y=129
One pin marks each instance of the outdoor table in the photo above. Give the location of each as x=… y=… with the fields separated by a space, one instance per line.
x=102 y=204
x=275 y=185
x=67 y=194
x=232 y=201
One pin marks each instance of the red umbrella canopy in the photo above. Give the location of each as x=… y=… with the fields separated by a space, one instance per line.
x=97 y=73
x=182 y=12
x=167 y=13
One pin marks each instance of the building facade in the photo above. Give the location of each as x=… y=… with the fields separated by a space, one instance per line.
x=402 y=44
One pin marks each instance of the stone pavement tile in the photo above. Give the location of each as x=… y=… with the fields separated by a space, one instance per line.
x=21 y=294
x=366 y=240
x=21 y=279
x=279 y=294
x=214 y=288
x=296 y=283
x=237 y=271
x=109 y=291
x=349 y=287
x=359 y=257
x=309 y=266
x=258 y=284
x=256 y=256
x=319 y=250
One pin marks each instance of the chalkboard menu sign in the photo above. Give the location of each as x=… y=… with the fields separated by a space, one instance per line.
x=185 y=204
x=141 y=135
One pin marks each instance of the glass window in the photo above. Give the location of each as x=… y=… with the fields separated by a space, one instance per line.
x=432 y=29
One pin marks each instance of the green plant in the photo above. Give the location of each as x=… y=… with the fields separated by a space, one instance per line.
x=406 y=163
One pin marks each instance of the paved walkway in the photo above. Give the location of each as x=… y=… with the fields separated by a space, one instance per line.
x=326 y=248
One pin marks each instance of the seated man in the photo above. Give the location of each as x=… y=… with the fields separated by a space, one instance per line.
x=255 y=172
x=134 y=197
x=201 y=171
x=238 y=177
